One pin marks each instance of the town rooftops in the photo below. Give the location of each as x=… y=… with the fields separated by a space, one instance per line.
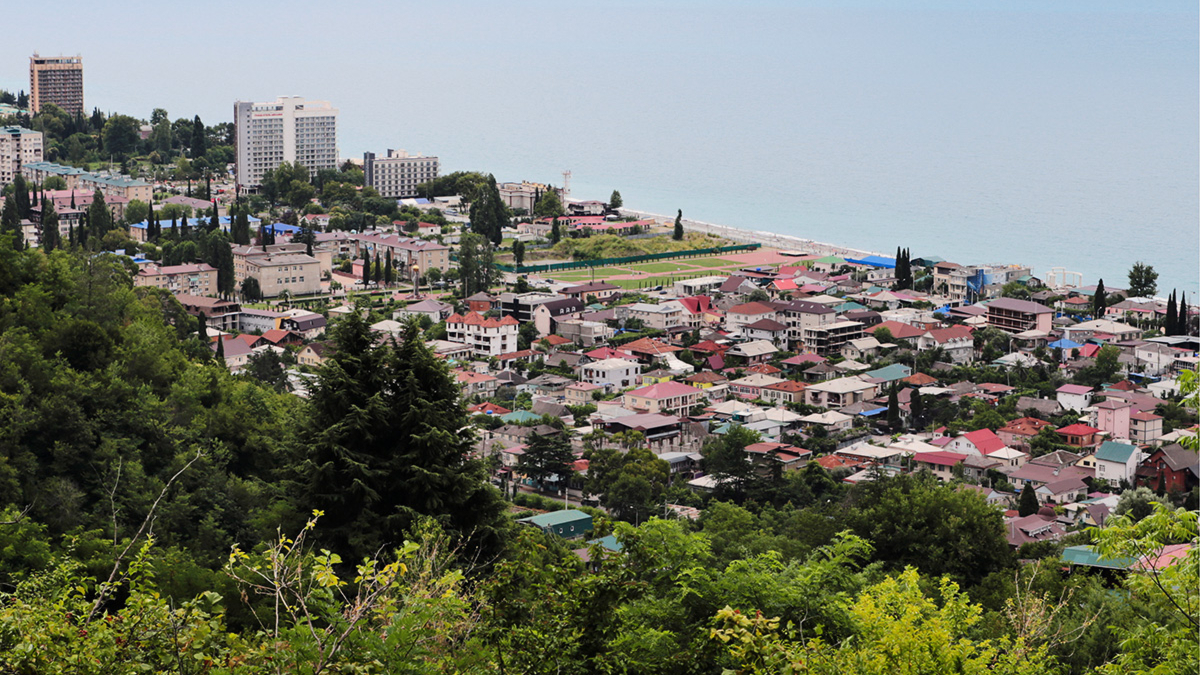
x=1078 y=429
x=1076 y=389
x=939 y=458
x=752 y=308
x=476 y=319
x=584 y=289
x=985 y=440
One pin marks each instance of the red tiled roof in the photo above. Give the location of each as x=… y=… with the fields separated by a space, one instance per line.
x=939 y=457
x=920 y=380
x=752 y=308
x=477 y=319
x=651 y=346
x=788 y=385
x=900 y=331
x=1078 y=429
x=985 y=440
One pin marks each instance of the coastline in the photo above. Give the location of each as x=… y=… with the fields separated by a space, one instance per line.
x=779 y=241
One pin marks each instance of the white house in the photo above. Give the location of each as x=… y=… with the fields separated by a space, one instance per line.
x=1074 y=397
x=617 y=373
x=1116 y=462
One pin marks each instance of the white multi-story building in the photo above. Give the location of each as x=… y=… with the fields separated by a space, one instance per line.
x=18 y=146
x=486 y=336
x=397 y=175
x=289 y=129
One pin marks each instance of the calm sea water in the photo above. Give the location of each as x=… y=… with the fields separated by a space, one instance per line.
x=1043 y=133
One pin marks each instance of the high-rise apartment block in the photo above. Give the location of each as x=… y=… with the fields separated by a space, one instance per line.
x=18 y=147
x=57 y=80
x=398 y=175
x=290 y=129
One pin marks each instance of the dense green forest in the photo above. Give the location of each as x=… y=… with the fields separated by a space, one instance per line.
x=163 y=515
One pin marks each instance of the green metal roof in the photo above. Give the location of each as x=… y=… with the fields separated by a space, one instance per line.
x=610 y=542
x=519 y=416
x=896 y=371
x=1111 y=451
x=1088 y=557
x=555 y=518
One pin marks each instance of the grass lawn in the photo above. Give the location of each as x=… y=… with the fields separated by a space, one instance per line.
x=664 y=267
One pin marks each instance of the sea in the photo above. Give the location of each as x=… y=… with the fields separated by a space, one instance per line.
x=1049 y=133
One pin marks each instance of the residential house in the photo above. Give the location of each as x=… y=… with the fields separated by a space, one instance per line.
x=668 y=397
x=1062 y=491
x=315 y=354
x=480 y=302
x=765 y=456
x=1074 y=397
x=1116 y=462
x=193 y=279
x=980 y=442
x=1042 y=406
x=476 y=384
x=580 y=393
x=292 y=273
x=787 y=391
x=862 y=349
x=585 y=333
x=1009 y=458
x=649 y=350
x=237 y=353
x=746 y=313
x=831 y=421
x=940 y=463
x=1017 y=316
x=750 y=353
x=1171 y=469
x=434 y=310
x=408 y=253
x=615 y=373
x=1155 y=359
x=829 y=338
x=663 y=316
x=546 y=315
x=1113 y=417
x=1145 y=428
x=706 y=379
x=588 y=293
x=751 y=386
x=1079 y=435
x=520 y=306
x=1113 y=331
x=957 y=342
x=308 y=325
x=486 y=336
x=839 y=393
x=220 y=314
x=1020 y=432
x=766 y=330
x=1032 y=529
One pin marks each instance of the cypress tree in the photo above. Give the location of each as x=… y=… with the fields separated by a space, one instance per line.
x=202 y=330
x=214 y=222
x=1170 y=324
x=220 y=348
x=893 y=409
x=1099 y=301
x=378 y=273
x=389 y=272
x=1183 y=325
x=72 y=198
x=677 y=235
x=71 y=233
x=1027 y=503
x=198 y=139
x=50 y=236
x=366 y=270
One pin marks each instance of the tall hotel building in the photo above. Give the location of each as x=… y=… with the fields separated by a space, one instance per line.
x=398 y=175
x=18 y=147
x=290 y=129
x=57 y=80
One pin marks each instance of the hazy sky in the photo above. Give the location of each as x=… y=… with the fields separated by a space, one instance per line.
x=941 y=125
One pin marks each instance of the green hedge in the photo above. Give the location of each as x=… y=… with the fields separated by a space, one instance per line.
x=649 y=257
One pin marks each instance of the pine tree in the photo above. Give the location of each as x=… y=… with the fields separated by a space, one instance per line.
x=677 y=235
x=386 y=442
x=1027 y=503
x=1099 y=301
x=547 y=461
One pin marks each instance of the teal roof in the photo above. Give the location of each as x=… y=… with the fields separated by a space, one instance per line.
x=610 y=542
x=57 y=169
x=519 y=416
x=896 y=371
x=1111 y=451
x=555 y=518
x=1088 y=557
x=848 y=307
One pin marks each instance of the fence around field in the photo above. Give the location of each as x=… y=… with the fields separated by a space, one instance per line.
x=627 y=260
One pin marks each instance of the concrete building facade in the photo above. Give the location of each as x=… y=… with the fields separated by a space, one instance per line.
x=398 y=174
x=288 y=129
x=18 y=146
x=57 y=80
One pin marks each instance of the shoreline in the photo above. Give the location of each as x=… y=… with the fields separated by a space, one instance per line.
x=782 y=242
